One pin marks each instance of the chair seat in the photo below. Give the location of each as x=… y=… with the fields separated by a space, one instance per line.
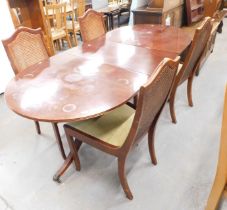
x=69 y=25
x=112 y=128
x=57 y=33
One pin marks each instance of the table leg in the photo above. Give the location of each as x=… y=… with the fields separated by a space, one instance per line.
x=37 y=126
x=63 y=168
x=58 y=138
x=68 y=161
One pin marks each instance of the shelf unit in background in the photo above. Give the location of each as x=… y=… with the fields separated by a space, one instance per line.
x=195 y=10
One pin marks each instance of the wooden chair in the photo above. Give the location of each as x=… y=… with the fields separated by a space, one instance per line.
x=73 y=25
x=117 y=131
x=221 y=174
x=92 y=25
x=191 y=63
x=26 y=47
x=56 y=22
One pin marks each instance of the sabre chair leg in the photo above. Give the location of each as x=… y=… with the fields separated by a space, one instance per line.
x=189 y=91
x=151 y=143
x=58 y=138
x=73 y=150
x=37 y=126
x=122 y=177
x=171 y=105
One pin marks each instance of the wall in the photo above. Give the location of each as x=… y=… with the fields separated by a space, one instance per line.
x=6 y=29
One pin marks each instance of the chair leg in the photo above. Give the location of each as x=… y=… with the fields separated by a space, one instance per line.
x=37 y=127
x=171 y=105
x=216 y=193
x=68 y=40
x=122 y=177
x=73 y=150
x=189 y=90
x=151 y=143
x=75 y=39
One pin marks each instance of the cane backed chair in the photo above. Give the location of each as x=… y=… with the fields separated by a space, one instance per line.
x=219 y=185
x=191 y=64
x=117 y=131
x=92 y=25
x=26 y=47
x=56 y=21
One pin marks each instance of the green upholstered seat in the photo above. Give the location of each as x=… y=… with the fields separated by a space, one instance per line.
x=112 y=128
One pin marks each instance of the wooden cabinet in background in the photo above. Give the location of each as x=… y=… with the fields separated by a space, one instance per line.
x=195 y=10
x=158 y=11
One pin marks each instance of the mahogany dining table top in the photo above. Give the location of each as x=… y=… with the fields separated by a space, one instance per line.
x=89 y=80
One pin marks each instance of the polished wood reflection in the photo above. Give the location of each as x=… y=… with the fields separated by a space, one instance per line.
x=154 y=37
x=98 y=76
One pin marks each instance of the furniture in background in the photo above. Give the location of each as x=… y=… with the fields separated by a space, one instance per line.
x=94 y=70
x=110 y=11
x=160 y=12
x=125 y=10
x=26 y=48
x=92 y=25
x=220 y=181
x=194 y=10
x=72 y=23
x=191 y=63
x=30 y=13
x=118 y=131
x=55 y=15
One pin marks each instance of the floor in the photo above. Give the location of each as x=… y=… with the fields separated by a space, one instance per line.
x=187 y=157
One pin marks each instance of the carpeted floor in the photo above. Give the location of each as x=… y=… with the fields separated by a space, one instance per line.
x=187 y=156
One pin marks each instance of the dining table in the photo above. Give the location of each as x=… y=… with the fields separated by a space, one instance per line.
x=92 y=79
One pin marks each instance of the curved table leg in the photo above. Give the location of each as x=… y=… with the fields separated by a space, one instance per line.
x=64 y=167
x=68 y=161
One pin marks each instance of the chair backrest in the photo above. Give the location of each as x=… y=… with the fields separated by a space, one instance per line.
x=92 y=25
x=25 y=47
x=152 y=98
x=197 y=48
x=56 y=16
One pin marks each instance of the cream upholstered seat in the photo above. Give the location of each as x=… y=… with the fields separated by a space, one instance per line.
x=112 y=128
x=57 y=34
x=70 y=25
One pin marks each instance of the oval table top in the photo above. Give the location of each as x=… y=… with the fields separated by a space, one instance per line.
x=87 y=81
